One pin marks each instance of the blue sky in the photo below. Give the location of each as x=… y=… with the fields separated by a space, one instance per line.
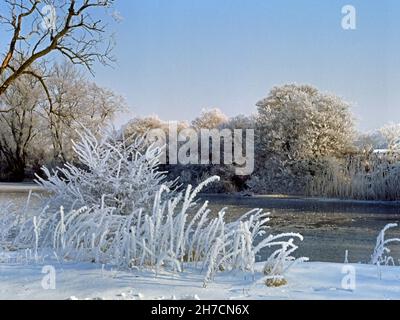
x=176 y=57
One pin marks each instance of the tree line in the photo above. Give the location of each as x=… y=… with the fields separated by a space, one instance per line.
x=302 y=135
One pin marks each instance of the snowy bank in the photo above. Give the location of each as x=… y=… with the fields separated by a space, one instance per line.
x=310 y=280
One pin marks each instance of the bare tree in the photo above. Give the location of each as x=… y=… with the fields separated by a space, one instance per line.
x=20 y=127
x=76 y=102
x=32 y=133
x=37 y=28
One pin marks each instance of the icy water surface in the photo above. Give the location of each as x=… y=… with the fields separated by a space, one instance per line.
x=329 y=227
x=20 y=200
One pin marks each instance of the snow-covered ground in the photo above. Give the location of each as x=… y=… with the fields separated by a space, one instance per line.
x=310 y=280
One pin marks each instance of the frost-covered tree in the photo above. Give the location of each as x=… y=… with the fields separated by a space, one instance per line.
x=299 y=122
x=241 y=121
x=21 y=127
x=34 y=132
x=195 y=174
x=210 y=119
x=76 y=103
x=297 y=126
x=391 y=133
x=140 y=126
x=370 y=141
x=231 y=181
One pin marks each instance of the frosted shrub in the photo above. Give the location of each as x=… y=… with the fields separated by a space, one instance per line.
x=122 y=175
x=381 y=251
x=116 y=211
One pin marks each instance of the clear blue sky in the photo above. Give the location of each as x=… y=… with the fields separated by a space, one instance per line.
x=176 y=57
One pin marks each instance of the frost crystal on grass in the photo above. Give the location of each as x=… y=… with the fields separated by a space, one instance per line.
x=381 y=251
x=118 y=209
x=113 y=172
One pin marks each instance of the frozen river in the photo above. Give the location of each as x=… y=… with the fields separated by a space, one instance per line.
x=329 y=227
x=18 y=194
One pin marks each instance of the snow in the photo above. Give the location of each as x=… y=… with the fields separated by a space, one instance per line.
x=383 y=151
x=115 y=242
x=308 y=280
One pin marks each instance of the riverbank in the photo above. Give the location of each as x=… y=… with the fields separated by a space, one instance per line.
x=23 y=187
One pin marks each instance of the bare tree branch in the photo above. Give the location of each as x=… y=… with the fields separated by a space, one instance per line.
x=71 y=30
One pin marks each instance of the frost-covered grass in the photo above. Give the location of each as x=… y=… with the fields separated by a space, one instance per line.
x=115 y=208
x=363 y=177
x=174 y=233
x=381 y=252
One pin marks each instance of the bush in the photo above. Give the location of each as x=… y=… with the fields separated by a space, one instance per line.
x=150 y=227
x=111 y=173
